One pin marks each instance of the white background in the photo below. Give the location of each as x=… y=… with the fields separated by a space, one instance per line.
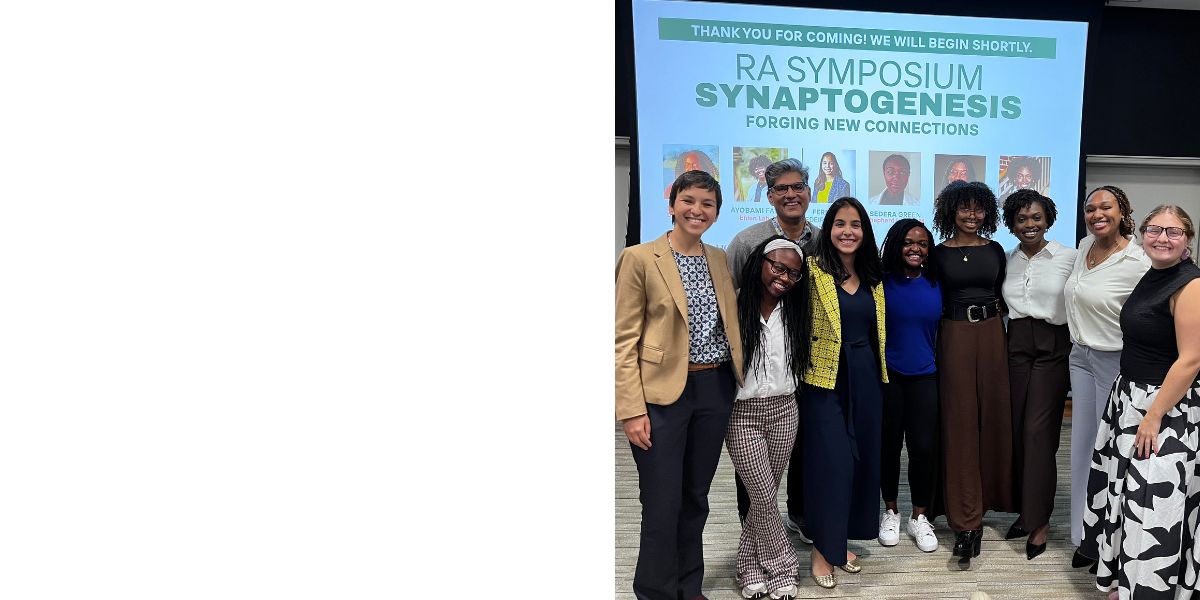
x=276 y=319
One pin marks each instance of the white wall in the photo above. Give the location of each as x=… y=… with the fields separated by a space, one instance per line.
x=622 y=192
x=1149 y=181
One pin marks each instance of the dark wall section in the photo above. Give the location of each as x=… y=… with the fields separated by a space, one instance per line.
x=1139 y=100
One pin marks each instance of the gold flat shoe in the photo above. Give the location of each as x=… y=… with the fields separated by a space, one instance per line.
x=851 y=566
x=826 y=581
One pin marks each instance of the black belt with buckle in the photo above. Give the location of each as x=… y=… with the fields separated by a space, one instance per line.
x=973 y=313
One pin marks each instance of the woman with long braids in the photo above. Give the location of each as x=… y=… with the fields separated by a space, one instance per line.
x=1108 y=266
x=972 y=363
x=910 y=397
x=843 y=404
x=774 y=318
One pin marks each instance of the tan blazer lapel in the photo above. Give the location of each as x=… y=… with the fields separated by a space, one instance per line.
x=670 y=274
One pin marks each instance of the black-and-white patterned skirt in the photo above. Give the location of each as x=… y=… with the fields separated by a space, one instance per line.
x=1142 y=512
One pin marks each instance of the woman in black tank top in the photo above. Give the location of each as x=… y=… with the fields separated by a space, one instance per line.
x=1143 y=492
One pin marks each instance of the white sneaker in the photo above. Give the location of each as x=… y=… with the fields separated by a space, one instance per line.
x=754 y=591
x=889 y=528
x=788 y=591
x=794 y=527
x=921 y=531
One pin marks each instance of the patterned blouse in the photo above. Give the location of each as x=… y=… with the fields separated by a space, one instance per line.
x=706 y=337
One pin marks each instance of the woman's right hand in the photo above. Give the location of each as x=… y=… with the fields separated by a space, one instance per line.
x=637 y=429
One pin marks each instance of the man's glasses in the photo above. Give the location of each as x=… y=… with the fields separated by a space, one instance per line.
x=782 y=188
x=1173 y=233
x=779 y=269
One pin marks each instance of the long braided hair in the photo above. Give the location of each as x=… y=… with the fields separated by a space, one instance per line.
x=1127 y=223
x=793 y=308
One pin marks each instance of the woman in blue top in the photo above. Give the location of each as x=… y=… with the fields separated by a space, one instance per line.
x=910 y=398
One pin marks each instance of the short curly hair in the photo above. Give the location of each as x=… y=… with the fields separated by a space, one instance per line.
x=960 y=194
x=1022 y=199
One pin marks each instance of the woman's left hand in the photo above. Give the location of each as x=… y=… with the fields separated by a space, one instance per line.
x=1145 y=442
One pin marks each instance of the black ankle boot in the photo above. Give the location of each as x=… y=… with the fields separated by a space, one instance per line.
x=966 y=546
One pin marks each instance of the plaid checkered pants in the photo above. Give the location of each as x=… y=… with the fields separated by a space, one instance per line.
x=759 y=437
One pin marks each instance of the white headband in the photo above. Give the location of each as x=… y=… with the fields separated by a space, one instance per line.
x=782 y=244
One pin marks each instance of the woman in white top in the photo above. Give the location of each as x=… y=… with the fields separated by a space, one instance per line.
x=1106 y=270
x=773 y=314
x=1038 y=347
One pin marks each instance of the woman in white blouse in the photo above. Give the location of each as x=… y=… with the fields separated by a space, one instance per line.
x=1105 y=271
x=1038 y=346
x=773 y=315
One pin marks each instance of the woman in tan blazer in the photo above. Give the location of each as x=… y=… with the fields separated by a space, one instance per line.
x=678 y=367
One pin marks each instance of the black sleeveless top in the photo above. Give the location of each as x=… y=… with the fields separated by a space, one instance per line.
x=1147 y=327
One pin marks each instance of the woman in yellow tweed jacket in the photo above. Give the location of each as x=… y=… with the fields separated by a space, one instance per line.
x=843 y=401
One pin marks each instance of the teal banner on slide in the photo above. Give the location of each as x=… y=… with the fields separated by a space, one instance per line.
x=882 y=40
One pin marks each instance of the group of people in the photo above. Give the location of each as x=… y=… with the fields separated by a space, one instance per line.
x=811 y=350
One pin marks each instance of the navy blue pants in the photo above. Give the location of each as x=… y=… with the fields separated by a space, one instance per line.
x=674 y=476
x=842 y=437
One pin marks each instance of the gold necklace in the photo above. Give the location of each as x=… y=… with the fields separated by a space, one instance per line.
x=1093 y=262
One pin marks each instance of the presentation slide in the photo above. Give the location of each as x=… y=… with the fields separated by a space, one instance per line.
x=884 y=107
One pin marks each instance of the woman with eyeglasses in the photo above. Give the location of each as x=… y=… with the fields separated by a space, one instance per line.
x=910 y=400
x=1108 y=266
x=843 y=404
x=774 y=317
x=972 y=363
x=1143 y=491
x=678 y=365
x=1038 y=346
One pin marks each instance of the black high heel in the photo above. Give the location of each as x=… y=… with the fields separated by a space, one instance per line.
x=1015 y=532
x=1078 y=560
x=1031 y=550
x=978 y=540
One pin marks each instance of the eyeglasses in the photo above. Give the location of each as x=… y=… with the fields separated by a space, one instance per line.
x=780 y=269
x=963 y=210
x=782 y=188
x=958 y=173
x=1173 y=233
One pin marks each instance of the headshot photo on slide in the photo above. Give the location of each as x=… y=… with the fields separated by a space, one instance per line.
x=1023 y=173
x=895 y=178
x=750 y=171
x=681 y=158
x=958 y=167
x=834 y=176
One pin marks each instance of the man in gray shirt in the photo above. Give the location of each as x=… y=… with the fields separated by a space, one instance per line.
x=788 y=192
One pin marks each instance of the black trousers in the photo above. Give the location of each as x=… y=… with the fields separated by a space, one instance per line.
x=1038 y=353
x=910 y=414
x=795 y=474
x=674 y=476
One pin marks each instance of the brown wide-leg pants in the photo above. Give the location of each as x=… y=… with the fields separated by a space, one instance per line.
x=1039 y=377
x=976 y=421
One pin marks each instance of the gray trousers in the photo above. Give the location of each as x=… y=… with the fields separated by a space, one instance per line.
x=1092 y=375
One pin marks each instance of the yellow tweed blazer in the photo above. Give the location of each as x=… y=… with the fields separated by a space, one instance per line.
x=827 y=328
